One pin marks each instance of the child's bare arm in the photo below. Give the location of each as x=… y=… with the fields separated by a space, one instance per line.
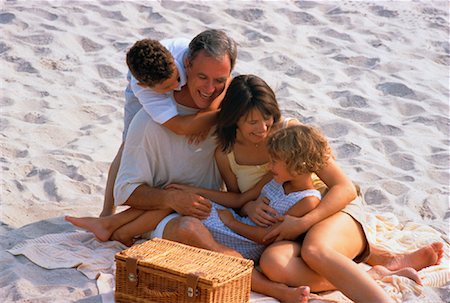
x=258 y=233
x=189 y=125
x=303 y=206
x=254 y=233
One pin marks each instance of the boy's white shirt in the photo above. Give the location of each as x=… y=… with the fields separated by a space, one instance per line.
x=162 y=107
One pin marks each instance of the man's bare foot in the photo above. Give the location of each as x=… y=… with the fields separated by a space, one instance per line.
x=428 y=255
x=296 y=295
x=378 y=272
x=97 y=226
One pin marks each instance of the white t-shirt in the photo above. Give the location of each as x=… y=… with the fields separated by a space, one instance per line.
x=161 y=107
x=156 y=156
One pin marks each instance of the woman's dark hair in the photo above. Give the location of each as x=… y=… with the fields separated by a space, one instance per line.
x=246 y=92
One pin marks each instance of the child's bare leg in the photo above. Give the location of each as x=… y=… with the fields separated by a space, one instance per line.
x=423 y=257
x=108 y=202
x=191 y=231
x=103 y=227
x=145 y=222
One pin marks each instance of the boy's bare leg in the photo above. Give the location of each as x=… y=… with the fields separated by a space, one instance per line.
x=145 y=222
x=423 y=257
x=108 y=202
x=104 y=227
x=191 y=231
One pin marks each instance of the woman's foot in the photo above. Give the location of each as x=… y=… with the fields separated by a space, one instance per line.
x=296 y=295
x=107 y=211
x=97 y=226
x=428 y=255
x=378 y=272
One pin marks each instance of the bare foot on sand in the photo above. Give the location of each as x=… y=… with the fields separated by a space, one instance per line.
x=296 y=295
x=378 y=272
x=428 y=255
x=97 y=226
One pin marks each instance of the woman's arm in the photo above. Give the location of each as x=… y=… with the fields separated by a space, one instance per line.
x=341 y=192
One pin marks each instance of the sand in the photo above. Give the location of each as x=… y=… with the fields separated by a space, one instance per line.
x=373 y=75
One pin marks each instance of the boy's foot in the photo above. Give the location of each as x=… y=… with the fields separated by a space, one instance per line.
x=94 y=225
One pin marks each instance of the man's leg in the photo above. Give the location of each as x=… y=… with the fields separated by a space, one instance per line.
x=108 y=202
x=191 y=231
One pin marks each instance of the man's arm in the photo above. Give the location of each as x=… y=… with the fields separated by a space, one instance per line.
x=151 y=198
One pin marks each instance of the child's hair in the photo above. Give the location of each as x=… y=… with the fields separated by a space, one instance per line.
x=150 y=62
x=303 y=148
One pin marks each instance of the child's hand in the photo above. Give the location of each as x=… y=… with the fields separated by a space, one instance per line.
x=198 y=137
x=225 y=215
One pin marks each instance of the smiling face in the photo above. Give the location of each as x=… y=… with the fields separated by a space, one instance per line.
x=206 y=78
x=254 y=127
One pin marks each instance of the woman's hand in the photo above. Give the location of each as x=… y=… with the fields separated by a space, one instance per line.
x=260 y=212
x=289 y=229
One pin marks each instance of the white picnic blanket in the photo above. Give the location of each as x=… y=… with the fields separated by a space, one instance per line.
x=80 y=250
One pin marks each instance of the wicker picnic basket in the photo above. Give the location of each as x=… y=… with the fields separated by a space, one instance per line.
x=165 y=271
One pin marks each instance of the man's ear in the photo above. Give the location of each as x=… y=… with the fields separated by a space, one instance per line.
x=186 y=63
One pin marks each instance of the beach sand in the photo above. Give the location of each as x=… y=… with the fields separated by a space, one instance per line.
x=374 y=76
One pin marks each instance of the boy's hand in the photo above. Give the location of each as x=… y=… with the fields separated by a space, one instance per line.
x=198 y=137
x=226 y=216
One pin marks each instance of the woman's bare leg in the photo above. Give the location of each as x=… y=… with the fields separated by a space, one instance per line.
x=108 y=202
x=328 y=250
x=428 y=255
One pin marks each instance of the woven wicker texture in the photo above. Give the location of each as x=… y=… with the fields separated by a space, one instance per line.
x=164 y=267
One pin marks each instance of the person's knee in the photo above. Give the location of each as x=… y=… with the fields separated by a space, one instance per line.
x=182 y=229
x=314 y=253
x=276 y=257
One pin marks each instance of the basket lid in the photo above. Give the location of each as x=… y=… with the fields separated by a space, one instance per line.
x=180 y=259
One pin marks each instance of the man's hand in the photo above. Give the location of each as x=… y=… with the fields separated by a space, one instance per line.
x=183 y=187
x=289 y=229
x=189 y=204
x=260 y=212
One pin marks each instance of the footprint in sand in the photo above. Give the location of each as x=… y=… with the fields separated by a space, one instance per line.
x=108 y=72
x=356 y=115
x=249 y=15
x=348 y=151
x=396 y=89
x=386 y=129
x=90 y=46
x=348 y=99
x=6 y=18
x=402 y=160
x=35 y=118
x=375 y=196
